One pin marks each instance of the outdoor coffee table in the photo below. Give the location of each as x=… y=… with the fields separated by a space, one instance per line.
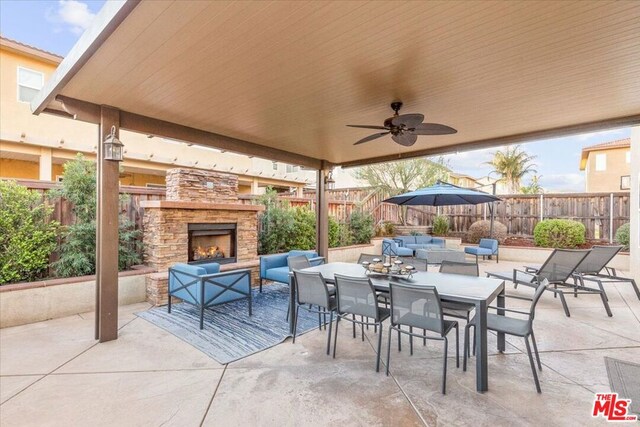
x=479 y=291
x=436 y=256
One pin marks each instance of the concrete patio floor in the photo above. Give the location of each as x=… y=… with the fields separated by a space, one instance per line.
x=54 y=373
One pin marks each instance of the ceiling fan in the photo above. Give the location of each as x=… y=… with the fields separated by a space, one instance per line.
x=405 y=128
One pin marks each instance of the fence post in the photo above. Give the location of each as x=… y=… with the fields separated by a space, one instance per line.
x=541 y=206
x=610 y=217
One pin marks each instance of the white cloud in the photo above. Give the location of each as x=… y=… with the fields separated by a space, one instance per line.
x=71 y=15
x=563 y=182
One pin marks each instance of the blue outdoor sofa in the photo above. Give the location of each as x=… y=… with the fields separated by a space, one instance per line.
x=406 y=245
x=204 y=286
x=276 y=268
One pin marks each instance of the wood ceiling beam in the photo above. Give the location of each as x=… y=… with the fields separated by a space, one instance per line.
x=88 y=112
x=558 y=132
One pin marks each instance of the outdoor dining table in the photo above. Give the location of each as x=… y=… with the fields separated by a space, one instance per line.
x=479 y=291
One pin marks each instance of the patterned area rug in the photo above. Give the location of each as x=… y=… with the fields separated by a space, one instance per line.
x=229 y=332
x=624 y=378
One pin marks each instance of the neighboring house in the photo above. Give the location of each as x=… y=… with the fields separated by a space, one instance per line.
x=36 y=147
x=607 y=166
x=486 y=184
x=465 y=181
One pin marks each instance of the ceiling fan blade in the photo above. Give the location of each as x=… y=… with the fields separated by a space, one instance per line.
x=367 y=127
x=371 y=137
x=409 y=120
x=406 y=139
x=432 y=129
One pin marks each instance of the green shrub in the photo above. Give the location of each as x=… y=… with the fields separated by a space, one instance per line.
x=361 y=227
x=623 y=235
x=277 y=225
x=481 y=230
x=304 y=224
x=27 y=237
x=415 y=233
x=78 y=247
x=559 y=233
x=339 y=234
x=389 y=229
x=440 y=225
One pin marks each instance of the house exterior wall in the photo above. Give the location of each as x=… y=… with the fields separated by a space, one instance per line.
x=26 y=140
x=607 y=180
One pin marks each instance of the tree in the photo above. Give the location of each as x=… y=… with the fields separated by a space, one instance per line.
x=78 y=247
x=395 y=178
x=406 y=175
x=533 y=187
x=512 y=165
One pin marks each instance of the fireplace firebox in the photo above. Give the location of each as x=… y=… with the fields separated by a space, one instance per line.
x=212 y=243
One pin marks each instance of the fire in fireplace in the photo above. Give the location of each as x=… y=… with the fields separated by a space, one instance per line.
x=212 y=243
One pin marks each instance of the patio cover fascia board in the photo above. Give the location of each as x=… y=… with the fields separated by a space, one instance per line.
x=506 y=140
x=89 y=112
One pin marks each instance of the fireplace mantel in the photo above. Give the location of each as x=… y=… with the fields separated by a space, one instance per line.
x=173 y=204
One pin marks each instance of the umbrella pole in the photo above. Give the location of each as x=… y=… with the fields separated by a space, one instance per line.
x=491 y=211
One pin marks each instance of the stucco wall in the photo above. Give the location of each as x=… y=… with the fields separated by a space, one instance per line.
x=607 y=180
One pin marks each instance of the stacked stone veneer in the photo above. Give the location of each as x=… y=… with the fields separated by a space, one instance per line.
x=195 y=196
x=190 y=185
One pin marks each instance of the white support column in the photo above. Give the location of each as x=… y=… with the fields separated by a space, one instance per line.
x=300 y=192
x=541 y=207
x=634 y=260
x=322 y=214
x=46 y=161
x=255 y=188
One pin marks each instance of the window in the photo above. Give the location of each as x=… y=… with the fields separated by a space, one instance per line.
x=292 y=169
x=628 y=156
x=601 y=162
x=625 y=182
x=275 y=166
x=29 y=84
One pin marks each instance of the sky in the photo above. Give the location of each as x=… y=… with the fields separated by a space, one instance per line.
x=55 y=26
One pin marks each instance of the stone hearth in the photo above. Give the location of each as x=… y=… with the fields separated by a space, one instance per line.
x=195 y=197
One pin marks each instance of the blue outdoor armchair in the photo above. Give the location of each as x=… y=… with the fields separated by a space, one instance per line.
x=276 y=267
x=392 y=247
x=487 y=247
x=204 y=286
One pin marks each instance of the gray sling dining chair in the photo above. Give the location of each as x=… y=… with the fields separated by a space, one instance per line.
x=356 y=296
x=513 y=326
x=459 y=310
x=300 y=262
x=312 y=290
x=418 y=306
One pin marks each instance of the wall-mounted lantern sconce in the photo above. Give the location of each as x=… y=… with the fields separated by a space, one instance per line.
x=113 y=147
x=328 y=179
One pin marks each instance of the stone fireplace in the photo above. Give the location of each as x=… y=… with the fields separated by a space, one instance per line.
x=201 y=220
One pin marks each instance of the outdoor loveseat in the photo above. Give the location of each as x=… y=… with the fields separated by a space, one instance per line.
x=204 y=286
x=276 y=268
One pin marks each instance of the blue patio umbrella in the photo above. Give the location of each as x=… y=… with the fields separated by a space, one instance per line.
x=445 y=194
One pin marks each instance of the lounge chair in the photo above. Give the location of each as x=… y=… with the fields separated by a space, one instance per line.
x=557 y=269
x=594 y=268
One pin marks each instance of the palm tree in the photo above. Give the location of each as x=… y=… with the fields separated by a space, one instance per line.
x=512 y=165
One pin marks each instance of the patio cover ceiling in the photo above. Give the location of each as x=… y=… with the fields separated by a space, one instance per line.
x=282 y=79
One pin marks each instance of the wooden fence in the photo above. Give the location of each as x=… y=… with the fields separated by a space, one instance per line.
x=601 y=213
